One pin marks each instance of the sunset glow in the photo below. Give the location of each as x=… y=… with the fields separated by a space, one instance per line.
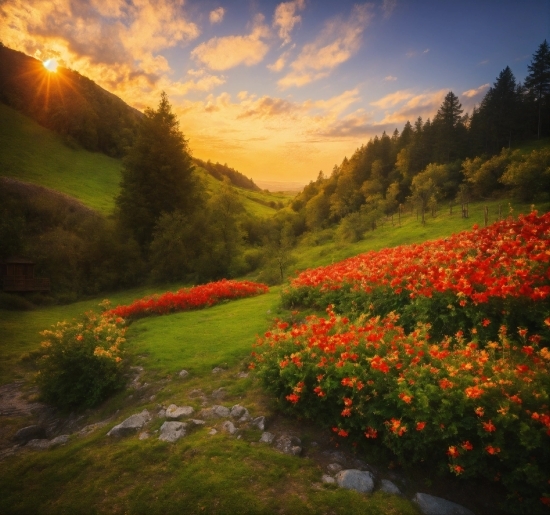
x=282 y=90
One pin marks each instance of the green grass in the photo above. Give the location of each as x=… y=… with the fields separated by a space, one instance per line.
x=31 y=153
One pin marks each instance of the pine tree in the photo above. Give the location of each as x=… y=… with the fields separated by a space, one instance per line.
x=157 y=176
x=449 y=131
x=538 y=79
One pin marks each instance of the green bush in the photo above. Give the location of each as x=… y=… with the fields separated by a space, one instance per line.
x=81 y=363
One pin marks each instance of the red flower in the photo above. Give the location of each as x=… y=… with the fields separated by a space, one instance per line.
x=453 y=452
x=489 y=427
x=293 y=398
x=371 y=433
x=420 y=426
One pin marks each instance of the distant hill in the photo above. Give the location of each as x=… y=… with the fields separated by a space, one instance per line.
x=219 y=171
x=68 y=103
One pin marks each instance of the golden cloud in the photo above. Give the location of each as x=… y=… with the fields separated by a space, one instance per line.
x=285 y=18
x=474 y=92
x=216 y=16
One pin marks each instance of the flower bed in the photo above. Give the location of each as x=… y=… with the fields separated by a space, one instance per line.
x=472 y=281
x=186 y=299
x=480 y=412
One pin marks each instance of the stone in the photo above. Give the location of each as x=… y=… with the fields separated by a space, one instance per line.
x=28 y=433
x=174 y=412
x=172 y=431
x=267 y=438
x=183 y=374
x=144 y=435
x=196 y=423
x=59 y=440
x=85 y=431
x=221 y=411
x=238 y=411
x=334 y=468
x=328 y=479
x=161 y=413
x=289 y=445
x=219 y=393
x=228 y=427
x=196 y=393
x=217 y=370
x=131 y=424
x=41 y=444
x=242 y=375
x=430 y=505
x=246 y=417
x=212 y=432
x=358 y=480
x=390 y=488
x=259 y=422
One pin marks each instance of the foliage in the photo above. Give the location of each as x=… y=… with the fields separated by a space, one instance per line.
x=185 y=299
x=81 y=362
x=219 y=172
x=449 y=403
x=529 y=178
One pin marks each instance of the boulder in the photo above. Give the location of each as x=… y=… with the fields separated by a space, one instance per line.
x=389 y=487
x=212 y=432
x=228 y=427
x=328 y=479
x=219 y=393
x=289 y=445
x=221 y=411
x=267 y=438
x=131 y=424
x=196 y=423
x=430 y=505
x=174 y=412
x=238 y=411
x=28 y=433
x=358 y=480
x=259 y=422
x=41 y=444
x=172 y=431
x=183 y=374
x=334 y=468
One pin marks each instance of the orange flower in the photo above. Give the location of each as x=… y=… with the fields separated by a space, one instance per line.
x=343 y=433
x=346 y=412
x=371 y=433
x=405 y=398
x=473 y=392
x=467 y=445
x=479 y=411
x=457 y=469
x=492 y=450
x=420 y=426
x=293 y=398
x=347 y=401
x=453 y=452
x=489 y=427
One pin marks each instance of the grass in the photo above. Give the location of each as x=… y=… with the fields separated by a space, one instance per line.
x=31 y=153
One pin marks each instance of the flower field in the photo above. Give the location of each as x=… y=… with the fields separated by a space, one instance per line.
x=468 y=392
x=185 y=299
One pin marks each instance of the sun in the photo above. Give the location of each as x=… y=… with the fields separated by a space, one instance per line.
x=50 y=65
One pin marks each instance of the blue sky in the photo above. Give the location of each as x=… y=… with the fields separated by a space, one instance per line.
x=281 y=90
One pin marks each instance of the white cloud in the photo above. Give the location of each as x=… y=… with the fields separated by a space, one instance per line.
x=230 y=51
x=285 y=18
x=338 y=41
x=474 y=92
x=216 y=16
x=390 y=78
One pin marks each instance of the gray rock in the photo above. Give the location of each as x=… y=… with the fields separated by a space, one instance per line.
x=85 y=431
x=328 y=479
x=228 y=427
x=59 y=440
x=289 y=445
x=196 y=393
x=161 y=413
x=242 y=375
x=174 y=412
x=28 y=433
x=172 y=431
x=221 y=411
x=334 y=468
x=131 y=424
x=219 y=393
x=238 y=411
x=267 y=438
x=246 y=417
x=183 y=374
x=259 y=422
x=354 y=479
x=389 y=487
x=196 y=423
x=41 y=444
x=212 y=432
x=430 y=505
x=217 y=370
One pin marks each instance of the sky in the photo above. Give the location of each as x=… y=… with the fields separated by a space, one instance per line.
x=282 y=90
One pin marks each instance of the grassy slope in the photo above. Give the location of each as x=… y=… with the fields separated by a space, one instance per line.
x=31 y=153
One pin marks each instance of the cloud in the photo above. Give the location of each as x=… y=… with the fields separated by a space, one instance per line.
x=280 y=63
x=355 y=125
x=483 y=63
x=390 y=78
x=474 y=92
x=406 y=105
x=216 y=16
x=285 y=18
x=387 y=7
x=267 y=106
x=338 y=41
x=230 y=51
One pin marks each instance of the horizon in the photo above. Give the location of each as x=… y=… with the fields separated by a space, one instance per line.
x=283 y=90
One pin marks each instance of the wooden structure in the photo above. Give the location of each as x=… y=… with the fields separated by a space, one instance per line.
x=17 y=275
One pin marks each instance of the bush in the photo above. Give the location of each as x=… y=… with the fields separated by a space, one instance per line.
x=81 y=363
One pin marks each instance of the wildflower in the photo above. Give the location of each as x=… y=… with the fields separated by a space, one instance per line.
x=467 y=446
x=371 y=433
x=405 y=398
x=347 y=401
x=488 y=426
x=453 y=452
x=293 y=398
x=343 y=433
x=420 y=426
x=492 y=450
x=479 y=411
x=457 y=469
x=485 y=322
x=346 y=412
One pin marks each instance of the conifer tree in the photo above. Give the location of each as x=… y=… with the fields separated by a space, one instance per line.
x=538 y=79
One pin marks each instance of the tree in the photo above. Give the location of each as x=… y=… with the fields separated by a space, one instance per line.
x=157 y=176
x=449 y=132
x=538 y=79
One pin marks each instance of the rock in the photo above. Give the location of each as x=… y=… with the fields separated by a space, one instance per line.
x=242 y=375
x=267 y=437
x=41 y=444
x=219 y=393
x=28 y=433
x=144 y=435
x=196 y=423
x=217 y=370
x=238 y=411
x=212 y=432
x=174 y=412
x=354 y=479
x=328 y=479
x=259 y=422
x=59 y=440
x=161 y=413
x=221 y=411
x=172 y=431
x=228 y=427
x=430 y=505
x=245 y=417
x=289 y=445
x=338 y=457
x=183 y=374
x=389 y=487
x=334 y=468
x=85 y=431
x=131 y=424
x=196 y=393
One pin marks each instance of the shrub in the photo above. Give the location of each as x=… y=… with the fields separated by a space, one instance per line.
x=477 y=412
x=81 y=363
